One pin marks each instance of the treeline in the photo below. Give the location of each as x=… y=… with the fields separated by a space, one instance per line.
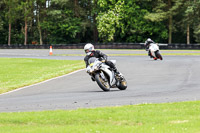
x=78 y=21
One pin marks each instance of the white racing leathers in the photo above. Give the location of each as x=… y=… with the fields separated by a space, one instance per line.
x=154 y=51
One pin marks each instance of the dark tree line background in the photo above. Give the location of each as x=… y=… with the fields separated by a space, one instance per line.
x=41 y=22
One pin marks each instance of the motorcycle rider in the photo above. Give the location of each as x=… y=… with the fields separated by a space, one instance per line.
x=91 y=52
x=147 y=44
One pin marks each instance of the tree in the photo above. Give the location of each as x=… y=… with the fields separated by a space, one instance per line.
x=60 y=24
x=1 y=22
x=109 y=21
x=137 y=28
x=12 y=8
x=80 y=21
x=188 y=14
x=196 y=15
x=187 y=20
x=27 y=9
x=192 y=17
x=162 y=11
x=124 y=22
x=87 y=13
x=40 y=11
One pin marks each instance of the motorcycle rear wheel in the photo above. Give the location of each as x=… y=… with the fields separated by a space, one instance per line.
x=102 y=84
x=122 y=85
x=159 y=56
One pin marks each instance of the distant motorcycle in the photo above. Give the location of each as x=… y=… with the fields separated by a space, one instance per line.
x=154 y=51
x=105 y=76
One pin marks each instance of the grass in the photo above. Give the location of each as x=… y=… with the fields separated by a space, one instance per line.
x=144 y=118
x=15 y=73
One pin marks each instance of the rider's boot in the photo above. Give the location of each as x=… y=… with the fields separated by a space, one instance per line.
x=116 y=72
x=149 y=53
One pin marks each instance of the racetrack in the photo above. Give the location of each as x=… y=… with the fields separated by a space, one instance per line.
x=176 y=78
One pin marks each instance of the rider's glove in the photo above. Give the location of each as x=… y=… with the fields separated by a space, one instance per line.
x=103 y=61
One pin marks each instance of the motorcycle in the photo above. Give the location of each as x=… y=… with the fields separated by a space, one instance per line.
x=154 y=51
x=104 y=75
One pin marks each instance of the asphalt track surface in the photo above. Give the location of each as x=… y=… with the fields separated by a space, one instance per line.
x=176 y=78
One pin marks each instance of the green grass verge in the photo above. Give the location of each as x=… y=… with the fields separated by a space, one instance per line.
x=181 y=117
x=19 y=72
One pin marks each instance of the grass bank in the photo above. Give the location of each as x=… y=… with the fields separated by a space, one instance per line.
x=19 y=72
x=144 y=118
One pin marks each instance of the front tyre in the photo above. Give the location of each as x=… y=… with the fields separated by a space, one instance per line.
x=104 y=85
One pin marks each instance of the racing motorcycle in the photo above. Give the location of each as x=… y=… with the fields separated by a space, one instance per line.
x=154 y=51
x=104 y=75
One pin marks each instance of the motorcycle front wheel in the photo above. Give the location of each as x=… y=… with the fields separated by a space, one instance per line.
x=104 y=85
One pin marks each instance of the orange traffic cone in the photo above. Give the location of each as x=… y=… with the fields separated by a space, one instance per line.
x=51 y=51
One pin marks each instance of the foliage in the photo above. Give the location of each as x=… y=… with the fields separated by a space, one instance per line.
x=66 y=28
x=1 y=24
x=184 y=13
x=138 y=28
x=197 y=33
x=1 y=21
x=125 y=22
x=80 y=21
x=110 y=20
x=196 y=19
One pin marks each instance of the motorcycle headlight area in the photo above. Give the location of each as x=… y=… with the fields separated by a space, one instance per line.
x=96 y=67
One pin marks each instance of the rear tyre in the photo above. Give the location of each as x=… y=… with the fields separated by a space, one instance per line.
x=158 y=55
x=104 y=85
x=122 y=84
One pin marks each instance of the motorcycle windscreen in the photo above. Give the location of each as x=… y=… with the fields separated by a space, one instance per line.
x=92 y=60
